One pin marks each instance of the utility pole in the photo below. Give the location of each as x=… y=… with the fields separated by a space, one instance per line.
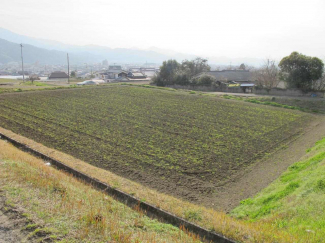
x=22 y=61
x=68 y=68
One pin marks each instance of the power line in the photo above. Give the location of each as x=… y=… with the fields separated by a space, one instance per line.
x=68 y=68
x=22 y=61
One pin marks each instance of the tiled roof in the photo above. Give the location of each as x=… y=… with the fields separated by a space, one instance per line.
x=58 y=74
x=230 y=75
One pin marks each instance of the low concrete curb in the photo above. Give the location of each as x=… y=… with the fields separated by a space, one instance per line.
x=125 y=198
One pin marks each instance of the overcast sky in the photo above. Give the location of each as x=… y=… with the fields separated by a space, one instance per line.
x=232 y=28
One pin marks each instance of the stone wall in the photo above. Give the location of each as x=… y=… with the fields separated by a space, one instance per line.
x=289 y=92
x=211 y=88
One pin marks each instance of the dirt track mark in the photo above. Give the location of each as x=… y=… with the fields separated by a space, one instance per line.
x=11 y=223
x=263 y=172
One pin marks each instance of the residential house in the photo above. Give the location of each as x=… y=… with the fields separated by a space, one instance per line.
x=58 y=75
x=230 y=76
x=149 y=72
x=113 y=71
x=233 y=79
x=137 y=75
x=122 y=74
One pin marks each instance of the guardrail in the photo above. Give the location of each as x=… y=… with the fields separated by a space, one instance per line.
x=125 y=198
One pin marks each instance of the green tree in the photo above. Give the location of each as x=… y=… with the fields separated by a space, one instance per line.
x=73 y=74
x=194 y=67
x=204 y=80
x=242 y=66
x=300 y=71
x=181 y=79
x=167 y=74
x=172 y=72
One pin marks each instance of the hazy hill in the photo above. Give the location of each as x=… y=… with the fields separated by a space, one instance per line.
x=93 y=53
x=81 y=54
x=10 y=52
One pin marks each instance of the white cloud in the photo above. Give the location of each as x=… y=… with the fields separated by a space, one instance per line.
x=234 y=28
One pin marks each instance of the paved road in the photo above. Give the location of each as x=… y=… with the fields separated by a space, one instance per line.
x=235 y=94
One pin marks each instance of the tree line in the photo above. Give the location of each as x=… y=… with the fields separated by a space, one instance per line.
x=298 y=71
x=184 y=73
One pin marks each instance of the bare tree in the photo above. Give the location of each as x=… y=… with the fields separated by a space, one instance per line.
x=33 y=77
x=242 y=66
x=268 y=75
x=319 y=85
x=245 y=67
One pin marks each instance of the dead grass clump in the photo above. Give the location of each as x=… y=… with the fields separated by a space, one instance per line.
x=72 y=209
x=79 y=205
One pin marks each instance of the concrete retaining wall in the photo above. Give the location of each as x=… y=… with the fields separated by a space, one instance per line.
x=275 y=92
x=288 y=92
x=211 y=88
x=125 y=198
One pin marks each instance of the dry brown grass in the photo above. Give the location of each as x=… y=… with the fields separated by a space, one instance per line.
x=208 y=218
x=71 y=210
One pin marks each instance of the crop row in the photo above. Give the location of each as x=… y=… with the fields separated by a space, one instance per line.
x=131 y=128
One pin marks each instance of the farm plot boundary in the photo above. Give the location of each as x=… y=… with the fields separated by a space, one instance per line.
x=211 y=219
x=198 y=143
x=125 y=198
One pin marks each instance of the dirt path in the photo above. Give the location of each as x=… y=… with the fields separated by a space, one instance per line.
x=234 y=94
x=17 y=226
x=11 y=223
x=263 y=172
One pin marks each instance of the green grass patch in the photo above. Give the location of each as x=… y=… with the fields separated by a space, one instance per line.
x=35 y=83
x=295 y=202
x=279 y=103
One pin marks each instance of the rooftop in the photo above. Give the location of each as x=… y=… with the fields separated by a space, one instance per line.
x=230 y=75
x=58 y=74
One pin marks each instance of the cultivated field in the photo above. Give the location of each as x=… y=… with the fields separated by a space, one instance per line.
x=180 y=143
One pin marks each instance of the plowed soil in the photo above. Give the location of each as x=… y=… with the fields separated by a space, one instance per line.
x=205 y=150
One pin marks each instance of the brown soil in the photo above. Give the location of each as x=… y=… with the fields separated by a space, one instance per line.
x=258 y=176
x=15 y=225
x=187 y=185
x=245 y=183
x=12 y=223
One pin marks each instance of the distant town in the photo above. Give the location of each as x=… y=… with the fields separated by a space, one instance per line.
x=103 y=70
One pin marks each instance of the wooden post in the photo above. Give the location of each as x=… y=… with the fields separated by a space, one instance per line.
x=22 y=61
x=68 y=68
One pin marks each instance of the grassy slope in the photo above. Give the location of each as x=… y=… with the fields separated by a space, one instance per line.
x=315 y=105
x=295 y=202
x=36 y=83
x=239 y=230
x=220 y=222
x=277 y=226
x=303 y=103
x=8 y=80
x=70 y=211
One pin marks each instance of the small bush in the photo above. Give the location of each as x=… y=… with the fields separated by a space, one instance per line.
x=247 y=201
x=193 y=215
x=320 y=185
x=285 y=192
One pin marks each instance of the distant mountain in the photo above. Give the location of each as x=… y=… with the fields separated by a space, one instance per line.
x=10 y=52
x=92 y=53
x=46 y=44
